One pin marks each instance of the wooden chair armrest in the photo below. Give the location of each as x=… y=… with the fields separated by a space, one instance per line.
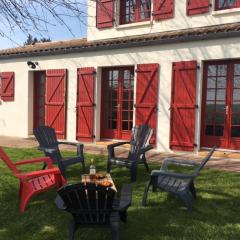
x=126 y=198
x=113 y=145
x=26 y=176
x=171 y=161
x=36 y=160
x=47 y=150
x=157 y=173
x=79 y=146
x=111 y=148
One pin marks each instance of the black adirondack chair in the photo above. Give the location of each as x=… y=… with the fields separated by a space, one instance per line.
x=94 y=205
x=48 y=143
x=180 y=184
x=139 y=145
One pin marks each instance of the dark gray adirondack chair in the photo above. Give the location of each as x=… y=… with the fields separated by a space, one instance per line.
x=93 y=205
x=48 y=143
x=180 y=184
x=139 y=145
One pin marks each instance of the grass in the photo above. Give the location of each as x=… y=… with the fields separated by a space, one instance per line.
x=215 y=214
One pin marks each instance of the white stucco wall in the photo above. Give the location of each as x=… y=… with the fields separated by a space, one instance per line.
x=180 y=21
x=16 y=117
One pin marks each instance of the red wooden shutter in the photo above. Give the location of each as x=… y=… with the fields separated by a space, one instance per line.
x=105 y=10
x=163 y=9
x=197 y=7
x=183 y=104
x=85 y=104
x=7 y=86
x=55 y=101
x=147 y=96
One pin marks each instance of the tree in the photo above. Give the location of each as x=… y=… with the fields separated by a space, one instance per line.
x=32 y=40
x=37 y=15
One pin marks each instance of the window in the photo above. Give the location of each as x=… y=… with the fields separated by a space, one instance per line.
x=134 y=11
x=226 y=4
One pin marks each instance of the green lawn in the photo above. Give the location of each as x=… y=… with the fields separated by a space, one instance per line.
x=216 y=212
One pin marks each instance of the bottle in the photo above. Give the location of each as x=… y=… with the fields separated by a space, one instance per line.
x=92 y=170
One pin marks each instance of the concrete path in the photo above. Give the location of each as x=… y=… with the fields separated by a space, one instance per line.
x=226 y=161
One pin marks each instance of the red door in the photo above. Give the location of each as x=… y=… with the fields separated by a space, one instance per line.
x=55 y=101
x=221 y=105
x=39 y=99
x=85 y=104
x=183 y=103
x=147 y=96
x=117 y=102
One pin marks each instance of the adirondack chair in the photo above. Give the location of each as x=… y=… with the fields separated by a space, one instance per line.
x=180 y=184
x=32 y=183
x=139 y=145
x=48 y=143
x=94 y=205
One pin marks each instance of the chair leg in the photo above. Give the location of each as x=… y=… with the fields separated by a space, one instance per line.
x=187 y=199
x=109 y=165
x=62 y=170
x=83 y=166
x=193 y=190
x=25 y=197
x=72 y=229
x=145 y=195
x=133 y=172
x=146 y=166
x=115 y=230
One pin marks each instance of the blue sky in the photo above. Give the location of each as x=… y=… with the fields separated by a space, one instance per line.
x=56 y=32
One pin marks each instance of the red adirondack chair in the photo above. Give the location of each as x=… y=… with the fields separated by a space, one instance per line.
x=34 y=182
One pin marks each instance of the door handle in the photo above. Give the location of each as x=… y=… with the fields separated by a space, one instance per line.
x=226 y=109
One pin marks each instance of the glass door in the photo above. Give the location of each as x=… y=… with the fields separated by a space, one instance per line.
x=221 y=105
x=117 y=102
x=39 y=99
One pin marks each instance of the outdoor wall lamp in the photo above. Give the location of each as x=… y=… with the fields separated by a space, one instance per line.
x=32 y=64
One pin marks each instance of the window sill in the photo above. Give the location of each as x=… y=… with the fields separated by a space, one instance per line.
x=226 y=11
x=132 y=25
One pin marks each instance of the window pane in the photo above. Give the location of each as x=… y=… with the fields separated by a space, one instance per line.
x=125 y=126
x=209 y=130
x=236 y=94
x=222 y=4
x=236 y=107
x=235 y=131
x=210 y=107
x=220 y=107
x=222 y=70
x=219 y=130
x=235 y=119
x=211 y=82
x=211 y=95
x=221 y=82
x=219 y=119
x=145 y=9
x=221 y=94
x=212 y=70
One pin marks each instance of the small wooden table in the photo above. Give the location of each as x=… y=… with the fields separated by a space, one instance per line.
x=86 y=179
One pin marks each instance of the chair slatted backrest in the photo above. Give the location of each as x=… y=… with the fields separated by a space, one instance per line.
x=8 y=161
x=88 y=203
x=204 y=161
x=141 y=136
x=46 y=137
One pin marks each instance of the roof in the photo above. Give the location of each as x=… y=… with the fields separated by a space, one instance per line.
x=83 y=45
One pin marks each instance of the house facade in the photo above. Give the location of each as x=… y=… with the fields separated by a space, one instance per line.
x=174 y=65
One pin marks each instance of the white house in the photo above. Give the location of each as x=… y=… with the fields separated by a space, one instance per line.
x=174 y=65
